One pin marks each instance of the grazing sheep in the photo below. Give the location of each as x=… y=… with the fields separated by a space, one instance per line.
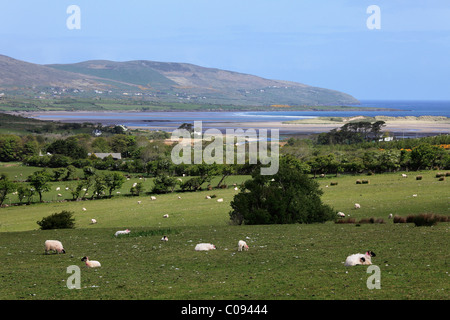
x=357 y=206
x=139 y=202
x=93 y=221
x=164 y=238
x=54 y=245
x=390 y=216
x=341 y=214
x=205 y=247
x=414 y=195
x=207 y=197
x=152 y=198
x=179 y=197
x=359 y=258
x=122 y=232
x=58 y=188
x=91 y=263
x=84 y=209
x=236 y=188
x=242 y=245
x=165 y=216
x=220 y=200
x=59 y=195
x=404 y=175
x=67 y=188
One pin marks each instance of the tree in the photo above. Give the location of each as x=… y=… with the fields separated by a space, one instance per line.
x=10 y=148
x=136 y=189
x=426 y=156
x=289 y=196
x=164 y=183
x=25 y=192
x=6 y=186
x=39 y=181
x=113 y=181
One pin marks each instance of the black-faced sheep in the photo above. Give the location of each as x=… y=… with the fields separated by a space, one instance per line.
x=54 y=245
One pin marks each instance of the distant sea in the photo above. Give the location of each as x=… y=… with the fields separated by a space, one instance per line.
x=156 y=119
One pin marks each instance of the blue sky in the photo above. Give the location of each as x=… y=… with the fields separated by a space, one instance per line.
x=324 y=43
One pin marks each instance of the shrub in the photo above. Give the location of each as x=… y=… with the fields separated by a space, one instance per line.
x=289 y=196
x=62 y=220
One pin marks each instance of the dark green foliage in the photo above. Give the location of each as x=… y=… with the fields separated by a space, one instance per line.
x=6 y=186
x=289 y=196
x=353 y=132
x=164 y=184
x=62 y=220
x=39 y=180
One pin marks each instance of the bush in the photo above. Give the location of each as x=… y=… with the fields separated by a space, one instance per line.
x=289 y=196
x=62 y=220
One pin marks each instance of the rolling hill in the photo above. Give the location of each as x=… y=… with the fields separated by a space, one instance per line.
x=160 y=82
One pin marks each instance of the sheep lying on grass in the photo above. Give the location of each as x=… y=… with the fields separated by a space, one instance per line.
x=54 y=245
x=205 y=247
x=359 y=258
x=357 y=206
x=122 y=232
x=91 y=263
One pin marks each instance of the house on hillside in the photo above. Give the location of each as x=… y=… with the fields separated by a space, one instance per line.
x=115 y=156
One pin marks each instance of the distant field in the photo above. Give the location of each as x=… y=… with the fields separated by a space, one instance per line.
x=300 y=262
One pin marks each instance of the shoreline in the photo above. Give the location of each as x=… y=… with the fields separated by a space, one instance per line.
x=396 y=125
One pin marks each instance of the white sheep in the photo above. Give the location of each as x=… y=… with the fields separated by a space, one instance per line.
x=205 y=247
x=390 y=216
x=242 y=245
x=91 y=263
x=414 y=195
x=220 y=200
x=359 y=259
x=139 y=202
x=165 y=216
x=153 y=198
x=54 y=245
x=59 y=195
x=341 y=214
x=207 y=197
x=122 y=232
x=164 y=238
x=404 y=175
x=84 y=209
x=357 y=206
x=93 y=221
x=58 y=188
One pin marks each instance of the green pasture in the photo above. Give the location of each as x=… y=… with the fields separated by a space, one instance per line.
x=300 y=262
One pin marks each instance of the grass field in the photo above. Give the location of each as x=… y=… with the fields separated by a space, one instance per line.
x=284 y=262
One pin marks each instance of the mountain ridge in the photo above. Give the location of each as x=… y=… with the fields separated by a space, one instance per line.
x=161 y=82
